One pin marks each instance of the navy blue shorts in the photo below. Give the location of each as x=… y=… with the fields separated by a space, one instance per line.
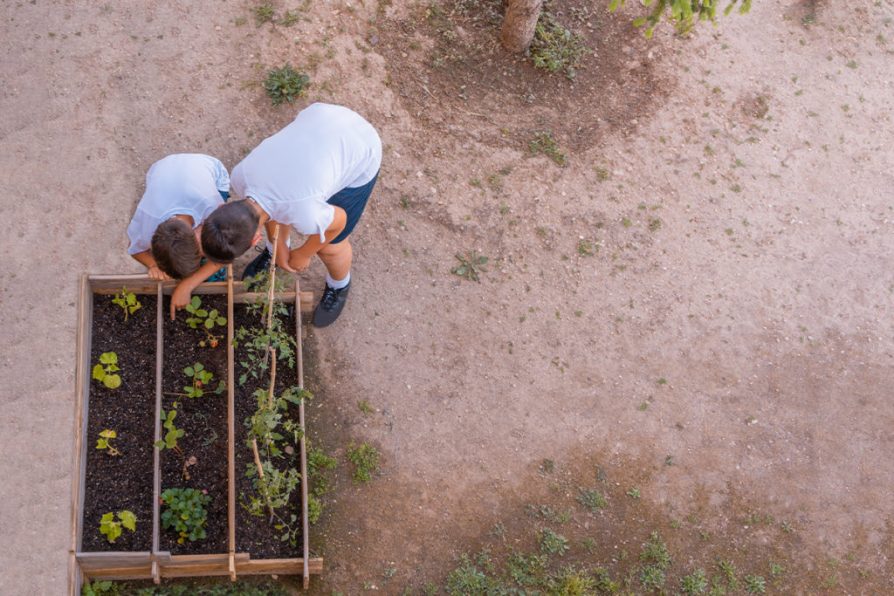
x=353 y=201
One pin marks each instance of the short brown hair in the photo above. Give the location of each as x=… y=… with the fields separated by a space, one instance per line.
x=175 y=249
x=229 y=230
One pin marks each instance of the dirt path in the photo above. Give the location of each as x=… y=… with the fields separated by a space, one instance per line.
x=734 y=191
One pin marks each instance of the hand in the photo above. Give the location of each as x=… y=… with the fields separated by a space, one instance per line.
x=180 y=298
x=157 y=274
x=282 y=260
x=298 y=262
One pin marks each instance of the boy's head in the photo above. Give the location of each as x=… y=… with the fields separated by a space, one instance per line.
x=176 y=249
x=229 y=231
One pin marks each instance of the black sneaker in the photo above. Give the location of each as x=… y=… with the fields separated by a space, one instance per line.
x=259 y=264
x=330 y=306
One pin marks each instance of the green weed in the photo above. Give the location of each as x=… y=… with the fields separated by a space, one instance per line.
x=285 y=84
x=552 y=543
x=470 y=265
x=592 y=499
x=365 y=458
x=544 y=143
x=555 y=48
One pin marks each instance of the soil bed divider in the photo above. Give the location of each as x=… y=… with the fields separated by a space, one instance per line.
x=124 y=565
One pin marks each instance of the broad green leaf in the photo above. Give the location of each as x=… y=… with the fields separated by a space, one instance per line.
x=159 y=444
x=101 y=444
x=110 y=368
x=196 y=302
x=199 y=367
x=109 y=358
x=212 y=314
x=108 y=434
x=112 y=381
x=189 y=371
x=98 y=372
x=202 y=313
x=128 y=520
x=209 y=323
x=221 y=321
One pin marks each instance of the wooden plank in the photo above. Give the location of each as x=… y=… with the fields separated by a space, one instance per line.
x=279 y=567
x=156 y=455
x=231 y=428
x=299 y=363
x=78 y=456
x=91 y=562
x=111 y=286
x=120 y=574
x=307 y=298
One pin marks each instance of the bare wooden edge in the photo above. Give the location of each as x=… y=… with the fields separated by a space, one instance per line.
x=231 y=428
x=156 y=455
x=303 y=446
x=75 y=577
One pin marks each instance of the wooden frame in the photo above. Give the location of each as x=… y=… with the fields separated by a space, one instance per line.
x=156 y=564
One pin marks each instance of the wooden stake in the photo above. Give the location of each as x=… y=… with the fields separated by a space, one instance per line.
x=271 y=278
x=231 y=428
x=254 y=448
x=272 y=378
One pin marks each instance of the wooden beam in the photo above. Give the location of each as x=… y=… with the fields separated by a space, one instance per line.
x=279 y=567
x=302 y=450
x=77 y=484
x=231 y=429
x=156 y=452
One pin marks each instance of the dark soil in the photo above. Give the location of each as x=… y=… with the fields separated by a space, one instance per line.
x=205 y=421
x=124 y=482
x=255 y=534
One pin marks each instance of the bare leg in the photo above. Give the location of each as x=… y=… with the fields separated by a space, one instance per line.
x=337 y=258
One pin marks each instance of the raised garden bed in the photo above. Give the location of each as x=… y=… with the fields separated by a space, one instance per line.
x=163 y=366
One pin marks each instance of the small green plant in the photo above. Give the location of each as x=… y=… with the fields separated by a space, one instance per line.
x=552 y=543
x=365 y=458
x=586 y=248
x=591 y=499
x=100 y=588
x=104 y=442
x=104 y=371
x=655 y=551
x=201 y=378
x=173 y=433
x=570 y=581
x=285 y=84
x=364 y=406
x=633 y=493
x=728 y=569
x=694 y=583
x=755 y=584
x=127 y=301
x=467 y=578
x=185 y=512
x=544 y=143
x=652 y=577
x=264 y=13
x=206 y=320
x=470 y=266
x=111 y=528
x=289 y=18
x=555 y=48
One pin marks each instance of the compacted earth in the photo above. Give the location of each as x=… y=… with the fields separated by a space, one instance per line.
x=632 y=323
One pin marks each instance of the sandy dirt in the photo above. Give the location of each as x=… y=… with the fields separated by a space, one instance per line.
x=734 y=189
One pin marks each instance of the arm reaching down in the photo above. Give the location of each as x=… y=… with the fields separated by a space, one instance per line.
x=299 y=258
x=145 y=258
x=183 y=292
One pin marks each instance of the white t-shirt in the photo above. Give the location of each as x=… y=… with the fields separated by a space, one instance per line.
x=292 y=174
x=180 y=184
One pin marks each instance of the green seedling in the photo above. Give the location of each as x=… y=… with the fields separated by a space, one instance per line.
x=544 y=143
x=205 y=319
x=104 y=371
x=285 y=84
x=127 y=301
x=552 y=543
x=694 y=583
x=185 y=512
x=201 y=378
x=365 y=458
x=592 y=499
x=264 y=13
x=173 y=433
x=111 y=529
x=105 y=441
x=756 y=584
x=470 y=266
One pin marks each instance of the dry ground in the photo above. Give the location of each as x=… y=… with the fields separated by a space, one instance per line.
x=734 y=189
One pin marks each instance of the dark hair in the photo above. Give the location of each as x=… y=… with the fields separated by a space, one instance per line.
x=175 y=249
x=229 y=230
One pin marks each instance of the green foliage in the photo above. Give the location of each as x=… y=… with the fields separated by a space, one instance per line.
x=127 y=301
x=544 y=143
x=111 y=524
x=694 y=583
x=206 y=320
x=264 y=13
x=655 y=551
x=605 y=583
x=202 y=587
x=527 y=570
x=185 y=513
x=468 y=580
x=100 y=588
x=571 y=582
x=470 y=265
x=652 y=577
x=755 y=584
x=285 y=84
x=173 y=433
x=592 y=499
x=682 y=13
x=318 y=465
x=104 y=442
x=257 y=340
x=365 y=458
x=103 y=372
x=555 y=48
x=200 y=379
x=552 y=543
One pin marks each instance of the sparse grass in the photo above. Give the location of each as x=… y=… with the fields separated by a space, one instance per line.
x=289 y=18
x=694 y=583
x=527 y=570
x=602 y=174
x=285 y=84
x=552 y=543
x=586 y=248
x=592 y=499
x=556 y=48
x=652 y=578
x=654 y=224
x=655 y=551
x=755 y=584
x=264 y=13
x=467 y=578
x=544 y=143
x=365 y=407
x=729 y=573
x=626 y=222
x=633 y=493
x=471 y=265
x=365 y=458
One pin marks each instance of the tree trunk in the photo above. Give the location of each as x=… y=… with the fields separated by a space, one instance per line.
x=519 y=23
